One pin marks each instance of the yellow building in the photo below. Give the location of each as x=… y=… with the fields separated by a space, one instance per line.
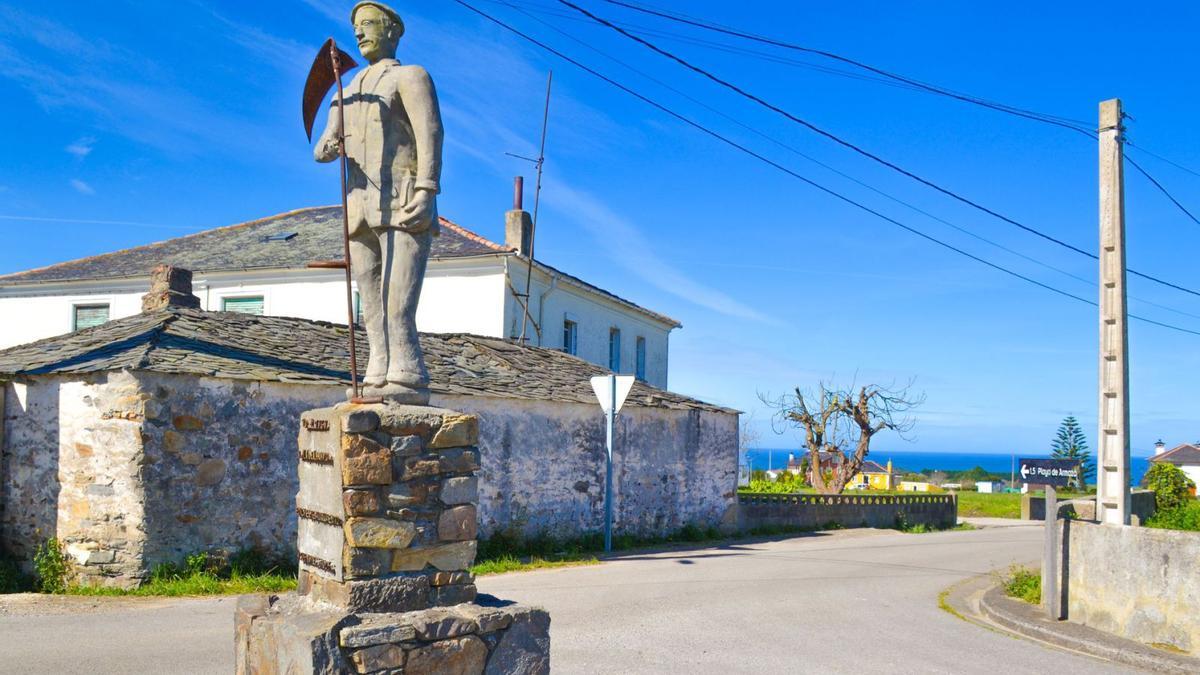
x=875 y=477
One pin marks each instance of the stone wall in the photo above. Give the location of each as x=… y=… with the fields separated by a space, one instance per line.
x=543 y=467
x=220 y=463
x=820 y=511
x=1141 y=507
x=71 y=466
x=135 y=469
x=1139 y=583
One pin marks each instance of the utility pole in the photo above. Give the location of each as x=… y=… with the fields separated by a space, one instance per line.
x=1112 y=483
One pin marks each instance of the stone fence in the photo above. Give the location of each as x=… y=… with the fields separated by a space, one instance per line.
x=1033 y=507
x=822 y=511
x=1139 y=583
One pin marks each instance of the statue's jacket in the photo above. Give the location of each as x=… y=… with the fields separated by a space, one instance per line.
x=393 y=130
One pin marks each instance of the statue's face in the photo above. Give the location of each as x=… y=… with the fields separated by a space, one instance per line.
x=377 y=35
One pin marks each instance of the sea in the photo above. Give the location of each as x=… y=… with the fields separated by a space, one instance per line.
x=918 y=462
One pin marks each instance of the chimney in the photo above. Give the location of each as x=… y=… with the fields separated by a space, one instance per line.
x=518 y=226
x=1160 y=447
x=169 y=287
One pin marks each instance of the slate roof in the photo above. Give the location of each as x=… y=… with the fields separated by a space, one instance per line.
x=872 y=467
x=286 y=349
x=1183 y=454
x=318 y=236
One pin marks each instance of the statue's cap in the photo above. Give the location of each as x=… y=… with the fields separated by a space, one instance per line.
x=395 y=16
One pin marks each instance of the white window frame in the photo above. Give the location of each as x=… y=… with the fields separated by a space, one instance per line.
x=225 y=297
x=76 y=304
x=220 y=295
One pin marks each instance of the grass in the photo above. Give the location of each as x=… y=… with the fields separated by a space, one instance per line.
x=1025 y=584
x=510 y=563
x=1186 y=518
x=198 y=584
x=984 y=505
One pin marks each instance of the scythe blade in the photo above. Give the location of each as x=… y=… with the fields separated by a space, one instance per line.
x=320 y=79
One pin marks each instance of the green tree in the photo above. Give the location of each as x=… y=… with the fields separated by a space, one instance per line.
x=1070 y=443
x=1172 y=488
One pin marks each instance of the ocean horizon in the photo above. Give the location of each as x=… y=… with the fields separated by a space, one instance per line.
x=917 y=462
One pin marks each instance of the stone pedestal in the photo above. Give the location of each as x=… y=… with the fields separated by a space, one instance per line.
x=386 y=537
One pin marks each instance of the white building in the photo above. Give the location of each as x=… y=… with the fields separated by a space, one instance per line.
x=1186 y=457
x=472 y=285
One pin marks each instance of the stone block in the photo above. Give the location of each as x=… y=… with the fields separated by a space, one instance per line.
x=524 y=647
x=188 y=423
x=460 y=490
x=420 y=467
x=493 y=620
x=461 y=656
x=457 y=524
x=446 y=557
x=361 y=502
x=379 y=631
x=445 y=578
x=365 y=562
x=210 y=472
x=379 y=657
x=172 y=441
x=411 y=420
x=452 y=594
x=365 y=462
x=407 y=446
x=290 y=638
x=387 y=594
x=460 y=460
x=442 y=624
x=360 y=421
x=412 y=493
x=379 y=533
x=456 y=431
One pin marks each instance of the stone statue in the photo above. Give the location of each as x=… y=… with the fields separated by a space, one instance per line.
x=393 y=138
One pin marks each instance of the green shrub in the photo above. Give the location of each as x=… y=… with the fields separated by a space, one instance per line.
x=50 y=568
x=1172 y=488
x=1186 y=517
x=1024 y=584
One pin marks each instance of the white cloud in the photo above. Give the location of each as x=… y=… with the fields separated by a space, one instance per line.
x=82 y=187
x=82 y=147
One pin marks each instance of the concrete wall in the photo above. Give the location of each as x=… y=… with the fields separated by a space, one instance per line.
x=1139 y=583
x=543 y=467
x=818 y=511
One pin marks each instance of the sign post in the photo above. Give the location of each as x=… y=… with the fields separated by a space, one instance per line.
x=611 y=391
x=1051 y=473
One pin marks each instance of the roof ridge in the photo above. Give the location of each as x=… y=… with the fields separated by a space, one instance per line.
x=479 y=239
x=139 y=247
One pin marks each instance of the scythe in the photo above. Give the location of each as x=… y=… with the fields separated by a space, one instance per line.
x=327 y=71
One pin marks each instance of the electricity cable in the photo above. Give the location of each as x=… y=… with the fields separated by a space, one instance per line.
x=1161 y=189
x=746 y=150
x=790 y=148
x=742 y=92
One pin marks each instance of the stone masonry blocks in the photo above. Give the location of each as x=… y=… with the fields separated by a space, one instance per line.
x=388 y=523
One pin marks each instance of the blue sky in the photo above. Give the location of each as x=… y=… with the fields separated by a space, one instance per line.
x=133 y=122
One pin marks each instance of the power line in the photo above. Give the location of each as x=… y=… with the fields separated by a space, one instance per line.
x=790 y=148
x=1161 y=189
x=746 y=150
x=1161 y=158
x=847 y=144
x=1065 y=122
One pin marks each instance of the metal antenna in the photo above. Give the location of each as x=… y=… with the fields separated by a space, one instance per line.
x=537 y=194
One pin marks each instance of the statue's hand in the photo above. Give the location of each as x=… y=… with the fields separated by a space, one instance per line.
x=417 y=214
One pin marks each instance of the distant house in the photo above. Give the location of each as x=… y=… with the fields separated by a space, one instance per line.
x=989 y=486
x=1186 y=457
x=918 y=486
x=472 y=285
x=872 y=476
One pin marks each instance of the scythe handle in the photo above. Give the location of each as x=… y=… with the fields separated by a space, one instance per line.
x=337 y=77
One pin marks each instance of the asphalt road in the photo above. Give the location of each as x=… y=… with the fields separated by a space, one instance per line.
x=857 y=601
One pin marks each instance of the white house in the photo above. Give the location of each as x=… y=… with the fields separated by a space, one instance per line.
x=1186 y=457
x=472 y=285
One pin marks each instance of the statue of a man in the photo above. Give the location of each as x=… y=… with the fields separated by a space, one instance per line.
x=393 y=141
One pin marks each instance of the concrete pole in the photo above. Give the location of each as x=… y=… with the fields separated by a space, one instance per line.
x=1112 y=481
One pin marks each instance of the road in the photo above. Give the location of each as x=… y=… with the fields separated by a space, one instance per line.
x=851 y=601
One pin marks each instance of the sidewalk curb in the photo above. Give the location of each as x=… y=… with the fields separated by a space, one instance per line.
x=1027 y=620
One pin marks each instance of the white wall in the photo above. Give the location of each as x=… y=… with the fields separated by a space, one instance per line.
x=595 y=315
x=457 y=297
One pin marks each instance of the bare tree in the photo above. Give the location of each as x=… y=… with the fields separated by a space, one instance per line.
x=838 y=426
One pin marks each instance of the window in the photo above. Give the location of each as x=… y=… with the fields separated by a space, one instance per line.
x=357 y=307
x=86 y=316
x=614 y=349
x=246 y=305
x=570 y=336
x=641 y=359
